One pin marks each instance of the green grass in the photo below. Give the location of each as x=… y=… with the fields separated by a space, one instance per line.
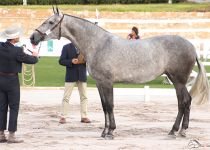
x=181 y=7
x=49 y=73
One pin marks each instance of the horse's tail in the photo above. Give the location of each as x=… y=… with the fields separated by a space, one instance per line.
x=200 y=88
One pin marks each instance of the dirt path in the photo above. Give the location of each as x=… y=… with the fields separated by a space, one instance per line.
x=140 y=126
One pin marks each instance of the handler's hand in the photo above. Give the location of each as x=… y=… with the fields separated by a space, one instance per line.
x=75 y=61
x=35 y=54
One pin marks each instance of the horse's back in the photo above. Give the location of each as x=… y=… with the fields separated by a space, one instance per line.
x=143 y=60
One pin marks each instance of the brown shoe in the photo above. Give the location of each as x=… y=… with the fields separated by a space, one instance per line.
x=3 y=140
x=62 y=120
x=13 y=139
x=85 y=120
x=2 y=137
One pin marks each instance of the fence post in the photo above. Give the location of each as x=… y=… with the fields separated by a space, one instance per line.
x=24 y=2
x=146 y=94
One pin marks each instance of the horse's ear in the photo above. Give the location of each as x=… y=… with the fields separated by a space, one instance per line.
x=57 y=10
x=53 y=9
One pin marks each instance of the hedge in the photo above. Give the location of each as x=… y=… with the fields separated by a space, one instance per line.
x=50 y=2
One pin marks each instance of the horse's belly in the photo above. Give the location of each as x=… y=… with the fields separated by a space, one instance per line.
x=139 y=76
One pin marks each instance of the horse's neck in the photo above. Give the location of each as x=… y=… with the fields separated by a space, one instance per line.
x=83 y=34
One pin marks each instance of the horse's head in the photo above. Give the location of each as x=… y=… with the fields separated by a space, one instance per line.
x=49 y=29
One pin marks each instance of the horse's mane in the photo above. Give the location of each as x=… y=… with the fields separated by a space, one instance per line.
x=88 y=22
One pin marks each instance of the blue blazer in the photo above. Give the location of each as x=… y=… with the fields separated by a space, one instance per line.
x=74 y=72
x=11 y=58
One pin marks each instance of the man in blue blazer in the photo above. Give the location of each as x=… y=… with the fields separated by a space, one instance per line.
x=75 y=75
x=11 y=59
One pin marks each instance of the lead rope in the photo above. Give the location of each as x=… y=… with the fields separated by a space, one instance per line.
x=39 y=48
x=28 y=76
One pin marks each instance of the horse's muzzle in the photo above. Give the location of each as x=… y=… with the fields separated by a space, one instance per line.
x=33 y=41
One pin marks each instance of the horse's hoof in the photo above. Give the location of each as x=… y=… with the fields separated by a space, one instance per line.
x=182 y=133
x=103 y=135
x=171 y=133
x=109 y=137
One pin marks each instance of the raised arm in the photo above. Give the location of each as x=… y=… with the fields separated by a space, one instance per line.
x=25 y=58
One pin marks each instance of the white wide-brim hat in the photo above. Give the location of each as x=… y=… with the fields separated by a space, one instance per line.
x=12 y=32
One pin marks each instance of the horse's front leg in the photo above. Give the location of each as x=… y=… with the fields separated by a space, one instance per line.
x=108 y=93
x=103 y=102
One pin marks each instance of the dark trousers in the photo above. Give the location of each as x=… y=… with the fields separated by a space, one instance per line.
x=9 y=99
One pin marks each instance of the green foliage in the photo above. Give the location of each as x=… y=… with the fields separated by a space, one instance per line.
x=11 y=2
x=180 y=7
x=53 y=2
x=50 y=2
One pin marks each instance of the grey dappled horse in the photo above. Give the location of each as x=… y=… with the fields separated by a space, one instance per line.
x=111 y=59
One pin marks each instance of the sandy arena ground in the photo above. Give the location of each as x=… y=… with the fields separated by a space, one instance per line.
x=140 y=125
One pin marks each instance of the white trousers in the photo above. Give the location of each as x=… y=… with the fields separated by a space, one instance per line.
x=82 y=87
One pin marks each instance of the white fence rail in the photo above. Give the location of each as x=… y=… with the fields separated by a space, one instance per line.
x=150 y=21
x=54 y=47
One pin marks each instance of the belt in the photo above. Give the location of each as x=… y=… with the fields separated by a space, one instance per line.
x=8 y=74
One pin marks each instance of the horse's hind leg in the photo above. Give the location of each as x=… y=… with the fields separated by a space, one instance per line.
x=180 y=111
x=184 y=102
x=187 y=104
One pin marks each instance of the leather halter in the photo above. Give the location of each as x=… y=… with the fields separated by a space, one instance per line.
x=50 y=30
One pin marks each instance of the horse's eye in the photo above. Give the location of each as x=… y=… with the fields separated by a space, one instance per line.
x=51 y=22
